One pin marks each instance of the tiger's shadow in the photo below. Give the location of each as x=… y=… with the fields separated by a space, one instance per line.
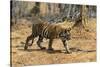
x=57 y=51
x=38 y=50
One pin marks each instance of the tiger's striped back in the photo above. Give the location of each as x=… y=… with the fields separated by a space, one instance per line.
x=38 y=28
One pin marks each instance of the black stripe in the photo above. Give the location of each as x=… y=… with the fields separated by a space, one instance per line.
x=45 y=32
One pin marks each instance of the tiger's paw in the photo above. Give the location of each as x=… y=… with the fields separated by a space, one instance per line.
x=25 y=47
x=68 y=52
x=50 y=50
x=43 y=48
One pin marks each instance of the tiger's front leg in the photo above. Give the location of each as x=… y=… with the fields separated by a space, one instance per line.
x=66 y=46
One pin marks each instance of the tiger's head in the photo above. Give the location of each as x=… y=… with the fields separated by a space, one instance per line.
x=65 y=34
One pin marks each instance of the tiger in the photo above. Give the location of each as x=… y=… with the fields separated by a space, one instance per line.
x=49 y=31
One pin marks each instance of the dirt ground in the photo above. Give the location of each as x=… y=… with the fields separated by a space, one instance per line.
x=82 y=45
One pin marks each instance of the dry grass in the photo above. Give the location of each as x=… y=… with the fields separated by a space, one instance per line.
x=83 y=47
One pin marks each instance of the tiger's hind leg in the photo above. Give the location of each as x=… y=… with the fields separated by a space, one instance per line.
x=31 y=42
x=39 y=42
x=27 y=40
x=50 y=49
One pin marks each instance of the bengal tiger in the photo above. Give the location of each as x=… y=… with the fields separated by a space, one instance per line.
x=51 y=32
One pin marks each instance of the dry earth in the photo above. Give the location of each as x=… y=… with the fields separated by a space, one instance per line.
x=82 y=46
